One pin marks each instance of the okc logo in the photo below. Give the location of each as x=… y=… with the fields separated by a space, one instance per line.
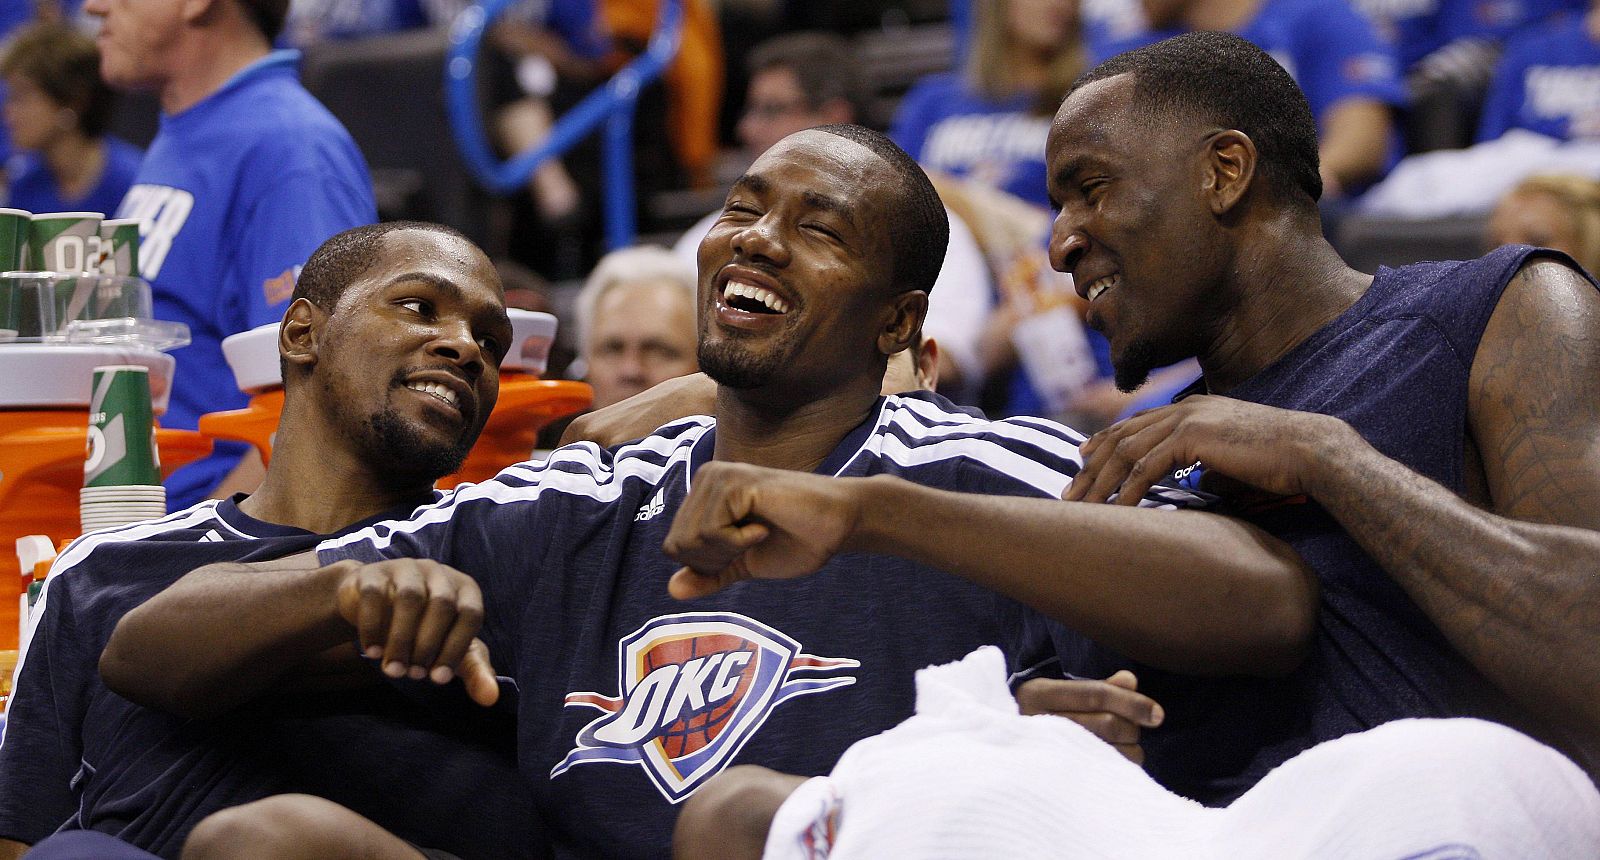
x=695 y=687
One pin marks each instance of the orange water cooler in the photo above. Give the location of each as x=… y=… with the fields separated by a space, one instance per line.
x=526 y=404
x=44 y=421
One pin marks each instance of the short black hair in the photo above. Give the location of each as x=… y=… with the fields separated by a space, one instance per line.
x=342 y=259
x=1223 y=79
x=919 y=229
x=267 y=15
x=824 y=67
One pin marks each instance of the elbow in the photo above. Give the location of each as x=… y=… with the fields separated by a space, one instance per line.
x=1285 y=623
x=127 y=671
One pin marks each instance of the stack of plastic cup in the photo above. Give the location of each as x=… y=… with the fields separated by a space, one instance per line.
x=122 y=472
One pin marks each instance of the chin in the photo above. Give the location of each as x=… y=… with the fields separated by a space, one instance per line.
x=1132 y=366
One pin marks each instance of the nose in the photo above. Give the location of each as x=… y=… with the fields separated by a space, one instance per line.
x=759 y=241
x=95 y=7
x=455 y=343
x=1067 y=244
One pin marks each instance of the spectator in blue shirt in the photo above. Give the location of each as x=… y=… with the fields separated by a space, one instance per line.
x=1548 y=81
x=989 y=122
x=56 y=111
x=1348 y=73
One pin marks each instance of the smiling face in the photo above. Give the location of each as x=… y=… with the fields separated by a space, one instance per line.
x=1133 y=230
x=795 y=276
x=408 y=361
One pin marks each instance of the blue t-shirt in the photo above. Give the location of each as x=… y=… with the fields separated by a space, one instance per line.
x=33 y=187
x=77 y=756
x=945 y=126
x=1548 y=81
x=311 y=22
x=632 y=700
x=1420 y=27
x=232 y=197
x=1332 y=51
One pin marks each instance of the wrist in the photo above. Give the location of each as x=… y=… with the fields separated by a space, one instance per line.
x=878 y=509
x=1328 y=456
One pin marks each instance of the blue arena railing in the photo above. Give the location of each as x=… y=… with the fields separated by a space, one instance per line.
x=612 y=104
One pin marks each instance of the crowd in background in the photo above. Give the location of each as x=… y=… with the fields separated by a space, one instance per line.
x=1385 y=80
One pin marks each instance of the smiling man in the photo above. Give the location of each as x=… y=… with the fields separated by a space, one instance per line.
x=390 y=352
x=814 y=275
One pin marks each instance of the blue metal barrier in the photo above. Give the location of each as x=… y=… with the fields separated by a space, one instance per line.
x=612 y=104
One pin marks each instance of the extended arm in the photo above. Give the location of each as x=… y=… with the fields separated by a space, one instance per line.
x=1182 y=590
x=226 y=633
x=642 y=413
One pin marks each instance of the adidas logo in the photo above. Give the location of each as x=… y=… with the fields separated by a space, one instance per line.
x=651 y=509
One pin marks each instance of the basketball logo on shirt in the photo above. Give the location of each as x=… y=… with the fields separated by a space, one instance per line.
x=696 y=686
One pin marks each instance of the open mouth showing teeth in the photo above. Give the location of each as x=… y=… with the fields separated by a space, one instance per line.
x=1100 y=286
x=753 y=299
x=434 y=389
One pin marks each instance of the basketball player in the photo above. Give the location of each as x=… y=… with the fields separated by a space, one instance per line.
x=628 y=700
x=384 y=319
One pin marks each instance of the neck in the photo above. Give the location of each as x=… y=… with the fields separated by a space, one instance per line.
x=76 y=162
x=787 y=436
x=208 y=60
x=1281 y=294
x=317 y=482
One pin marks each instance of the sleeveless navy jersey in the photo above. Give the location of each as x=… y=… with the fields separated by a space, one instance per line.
x=1395 y=366
x=632 y=700
x=77 y=756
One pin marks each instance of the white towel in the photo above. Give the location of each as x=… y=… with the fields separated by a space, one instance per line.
x=968 y=777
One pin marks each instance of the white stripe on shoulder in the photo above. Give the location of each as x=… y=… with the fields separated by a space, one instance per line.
x=83 y=546
x=923 y=420
x=1052 y=482
x=602 y=479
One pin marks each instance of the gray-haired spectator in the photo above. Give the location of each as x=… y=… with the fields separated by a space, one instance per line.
x=635 y=322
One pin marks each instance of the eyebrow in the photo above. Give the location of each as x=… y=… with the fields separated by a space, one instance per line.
x=448 y=287
x=838 y=206
x=834 y=205
x=442 y=284
x=757 y=184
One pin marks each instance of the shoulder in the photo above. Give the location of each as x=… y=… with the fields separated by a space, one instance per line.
x=935 y=91
x=921 y=431
x=122 y=156
x=196 y=524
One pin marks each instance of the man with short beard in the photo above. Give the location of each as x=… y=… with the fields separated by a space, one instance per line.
x=390 y=353
x=816 y=272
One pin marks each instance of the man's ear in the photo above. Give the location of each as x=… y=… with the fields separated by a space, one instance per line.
x=928 y=364
x=904 y=323
x=1229 y=170
x=300 y=334
x=194 y=12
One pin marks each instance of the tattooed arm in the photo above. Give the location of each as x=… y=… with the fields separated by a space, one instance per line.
x=1518 y=590
x=1515 y=587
